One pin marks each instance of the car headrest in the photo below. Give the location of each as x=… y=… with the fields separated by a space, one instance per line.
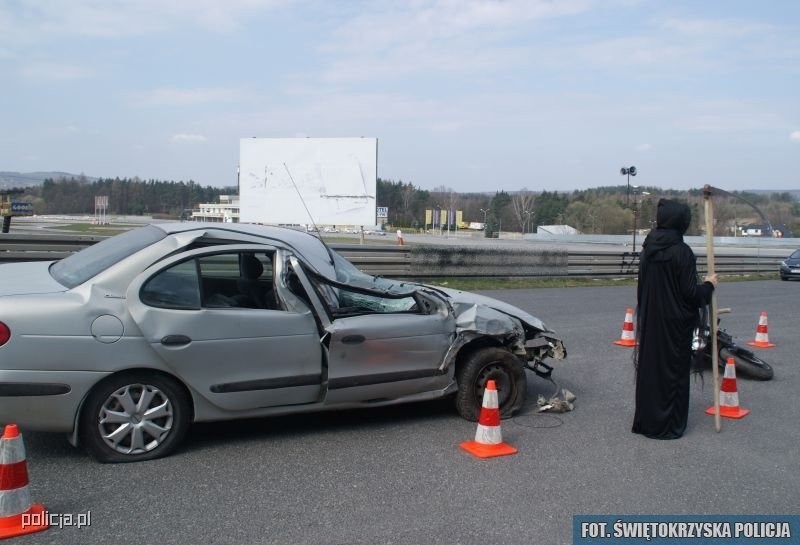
x=251 y=267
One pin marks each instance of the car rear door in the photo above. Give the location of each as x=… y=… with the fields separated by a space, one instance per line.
x=238 y=357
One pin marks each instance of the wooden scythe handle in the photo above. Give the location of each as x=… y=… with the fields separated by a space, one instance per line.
x=709 y=210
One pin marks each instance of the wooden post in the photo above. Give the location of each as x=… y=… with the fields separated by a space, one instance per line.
x=709 y=210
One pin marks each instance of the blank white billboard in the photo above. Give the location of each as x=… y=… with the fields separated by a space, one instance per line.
x=329 y=181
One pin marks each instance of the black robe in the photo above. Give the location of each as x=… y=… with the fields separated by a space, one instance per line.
x=669 y=297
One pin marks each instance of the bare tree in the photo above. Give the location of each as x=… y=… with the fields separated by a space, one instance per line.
x=724 y=217
x=779 y=213
x=447 y=199
x=581 y=216
x=522 y=205
x=407 y=198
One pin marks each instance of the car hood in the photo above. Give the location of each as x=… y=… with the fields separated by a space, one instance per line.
x=464 y=301
x=27 y=278
x=793 y=261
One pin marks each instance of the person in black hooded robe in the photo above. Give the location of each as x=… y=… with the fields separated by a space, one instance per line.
x=669 y=298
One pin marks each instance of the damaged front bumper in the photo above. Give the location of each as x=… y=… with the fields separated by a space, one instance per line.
x=540 y=347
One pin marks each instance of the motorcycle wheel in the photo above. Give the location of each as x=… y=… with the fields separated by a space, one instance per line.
x=747 y=363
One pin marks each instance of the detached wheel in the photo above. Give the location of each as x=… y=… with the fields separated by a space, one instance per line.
x=134 y=417
x=486 y=364
x=748 y=364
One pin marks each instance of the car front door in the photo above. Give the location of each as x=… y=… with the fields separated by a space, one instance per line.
x=381 y=347
x=224 y=331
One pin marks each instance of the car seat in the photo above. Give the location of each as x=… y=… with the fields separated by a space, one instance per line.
x=252 y=293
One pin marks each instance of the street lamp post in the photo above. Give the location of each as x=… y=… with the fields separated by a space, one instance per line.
x=439 y=214
x=527 y=220
x=628 y=171
x=636 y=212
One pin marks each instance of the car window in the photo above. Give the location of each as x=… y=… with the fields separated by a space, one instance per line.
x=76 y=269
x=176 y=287
x=238 y=280
x=221 y=280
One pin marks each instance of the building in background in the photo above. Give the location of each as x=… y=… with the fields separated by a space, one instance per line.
x=225 y=211
x=556 y=230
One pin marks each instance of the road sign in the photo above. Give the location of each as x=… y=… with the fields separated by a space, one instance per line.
x=382 y=211
x=21 y=208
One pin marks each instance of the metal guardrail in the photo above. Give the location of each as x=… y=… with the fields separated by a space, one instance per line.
x=42 y=248
x=403 y=262
x=583 y=263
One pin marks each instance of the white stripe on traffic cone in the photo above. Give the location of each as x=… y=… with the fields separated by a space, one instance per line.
x=628 y=338
x=488 y=441
x=762 y=335
x=729 y=394
x=15 y=497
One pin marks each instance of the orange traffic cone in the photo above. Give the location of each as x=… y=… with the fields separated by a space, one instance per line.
x=762 y=337
x=728 y=395
x=18 y=514
x=488 y=441
x=627 y=338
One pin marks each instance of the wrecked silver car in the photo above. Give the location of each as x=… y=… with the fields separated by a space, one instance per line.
x=124 y=344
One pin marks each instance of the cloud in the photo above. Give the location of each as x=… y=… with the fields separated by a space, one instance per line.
x=184 y=138
x=55 y=71
x=644 y=147
x=185 y=97
x=43 y=21
x=638 y=50
x=430 y=22
x=717 y=28
x=795 y=136
x=466 y=36
x=729 y=115
x=447 y=126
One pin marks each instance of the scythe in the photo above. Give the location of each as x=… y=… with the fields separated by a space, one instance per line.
x=709 y=210
x=708 y=193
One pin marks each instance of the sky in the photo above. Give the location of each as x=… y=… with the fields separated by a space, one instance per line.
x=472 y=95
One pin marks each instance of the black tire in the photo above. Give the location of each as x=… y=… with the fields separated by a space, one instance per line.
x=496 y=364
x=747 y=364
x=115 y=428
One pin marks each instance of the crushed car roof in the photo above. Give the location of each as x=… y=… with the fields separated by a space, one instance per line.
x=310 y=247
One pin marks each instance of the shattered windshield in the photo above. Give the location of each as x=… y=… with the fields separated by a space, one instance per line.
x=347 y=273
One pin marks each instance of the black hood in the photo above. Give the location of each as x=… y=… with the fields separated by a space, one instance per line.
x=672 y=221
x=673 y=215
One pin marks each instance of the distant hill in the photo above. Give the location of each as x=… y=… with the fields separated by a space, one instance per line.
x=28 y=179
x=793 y=192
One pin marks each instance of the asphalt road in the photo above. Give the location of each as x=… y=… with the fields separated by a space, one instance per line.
x=397 y=476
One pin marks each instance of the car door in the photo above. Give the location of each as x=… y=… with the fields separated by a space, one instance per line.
x=381 y=346
x=237 y=355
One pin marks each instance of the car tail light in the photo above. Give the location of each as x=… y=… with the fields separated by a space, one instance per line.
x=5 y=333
